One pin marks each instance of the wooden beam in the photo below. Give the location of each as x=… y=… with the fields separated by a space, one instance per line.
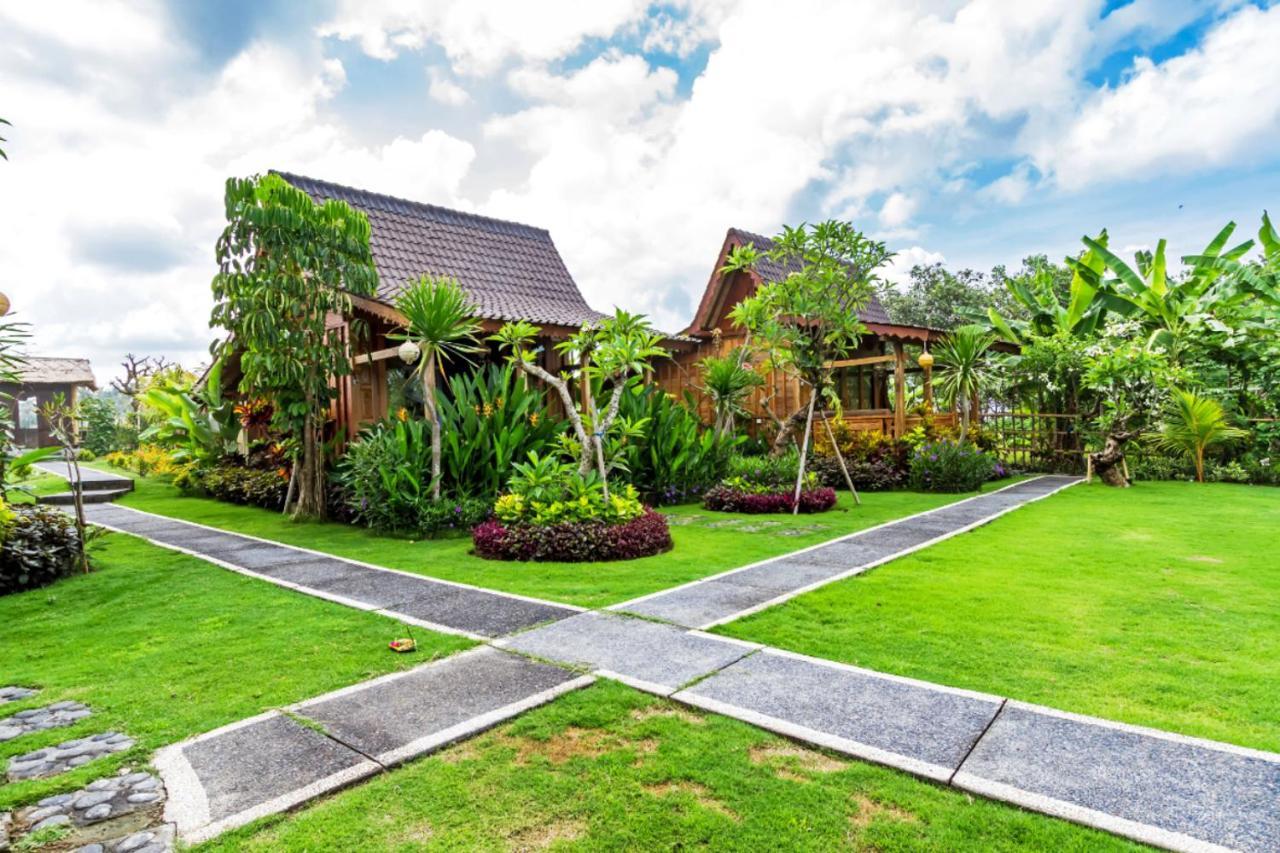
x=377 y=355
x=854 y=362
x=899 y=390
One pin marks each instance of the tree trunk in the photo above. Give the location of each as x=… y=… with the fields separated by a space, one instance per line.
x=429 y=408
x=786 y=429
x=570 y=408
x=964 y=419
x=804 y=451
x=311 y=503
x=1108 y=463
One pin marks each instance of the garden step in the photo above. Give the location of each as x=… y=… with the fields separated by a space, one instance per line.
x=276 y=761
x=91 y=496
x=731 y=595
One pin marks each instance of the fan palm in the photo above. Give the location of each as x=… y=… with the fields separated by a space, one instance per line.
x=439 y=321
x=961 y=369
x=1192 y=425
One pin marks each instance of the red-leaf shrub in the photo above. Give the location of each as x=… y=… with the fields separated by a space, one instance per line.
x=726 y=499
x=574 y=542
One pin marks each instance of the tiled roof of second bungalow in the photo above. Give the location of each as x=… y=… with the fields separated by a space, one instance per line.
x=511 y=271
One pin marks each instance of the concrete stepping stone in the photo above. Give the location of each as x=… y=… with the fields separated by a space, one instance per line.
x=477 y=612
x=102 y=800
x=915 y=726
x=402 y=716
x=55 y=716
x=647 y=655
x=255 y=767
x=157 y=839
x=53 y=760
x=1160 y=788
x=15 y=694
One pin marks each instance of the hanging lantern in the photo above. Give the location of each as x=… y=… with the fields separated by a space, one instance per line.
x=925 y=360
x=4 y=305
x=409 y=352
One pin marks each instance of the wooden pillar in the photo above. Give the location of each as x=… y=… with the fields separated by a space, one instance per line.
x=899 y=390
x=928 y=388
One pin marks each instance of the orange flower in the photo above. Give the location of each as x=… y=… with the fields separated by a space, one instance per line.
x=402 y=414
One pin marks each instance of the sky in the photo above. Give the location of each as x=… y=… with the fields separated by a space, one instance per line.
x=968 y=133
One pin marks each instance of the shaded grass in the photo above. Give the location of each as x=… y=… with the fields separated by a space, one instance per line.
x=611 y=768
x=1156 y=605
x=162 y=646
x=700 y=549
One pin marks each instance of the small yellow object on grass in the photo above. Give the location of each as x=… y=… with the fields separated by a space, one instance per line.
x=404 y=644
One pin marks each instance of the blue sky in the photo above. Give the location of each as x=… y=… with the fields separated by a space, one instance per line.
x=971 y=133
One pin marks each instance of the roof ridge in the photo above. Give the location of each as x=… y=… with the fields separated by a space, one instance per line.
x=479 y=217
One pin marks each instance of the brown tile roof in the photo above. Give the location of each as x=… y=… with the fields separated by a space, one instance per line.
x=511 y=271
x=771 y=270
x=57 y=371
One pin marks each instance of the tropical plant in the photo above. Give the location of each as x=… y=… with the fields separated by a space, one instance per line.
x=493 y=418
x=286 y=265
x=39 y=545
x=809 y=319
x=1038 y=296
x=440 y=323
x=62 y=418
x=197 y=425
x=728 y=381
x=950 y=466
x=674 y=457
x=1192 y=425
x=611 y=354
x=962 y=369
x=100 y=423
x=3 y=155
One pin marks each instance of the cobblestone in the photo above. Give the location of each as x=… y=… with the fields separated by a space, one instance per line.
x=104 y=799
x=54 y=716
x=53 y=760
x=16 y=694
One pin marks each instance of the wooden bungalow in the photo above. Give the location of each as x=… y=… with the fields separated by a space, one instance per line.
x=863 y=379
x=43 y=380
x=510 y=271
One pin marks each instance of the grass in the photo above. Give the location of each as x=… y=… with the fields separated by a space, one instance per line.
x=1155 y=605
x=611 y=768
x=162 y=646
x=705 y=543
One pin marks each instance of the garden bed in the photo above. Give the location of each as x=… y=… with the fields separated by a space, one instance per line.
x=728 y=499
x=574 y=542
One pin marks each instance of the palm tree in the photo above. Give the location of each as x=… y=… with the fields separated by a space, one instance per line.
x=439 y=322
x=1194 y=424
x=728 y=382
x=961 y=369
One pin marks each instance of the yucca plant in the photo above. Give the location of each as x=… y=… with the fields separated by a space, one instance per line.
x=961 y=369
x=440 y=322
x=1192 y=425
x=728 y=382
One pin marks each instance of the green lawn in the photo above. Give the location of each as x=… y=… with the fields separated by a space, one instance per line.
x=705 y=543
x=1158 y=605
x=609 y=768
x=162 y=646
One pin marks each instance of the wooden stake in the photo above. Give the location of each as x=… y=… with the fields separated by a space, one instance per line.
x=804 y=451
x=840 y=456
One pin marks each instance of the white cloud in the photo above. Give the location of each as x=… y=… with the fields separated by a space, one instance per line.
x=445 y=90
x=1214 y=106
x=479 y=37
x=898 y=270
x=896 y=210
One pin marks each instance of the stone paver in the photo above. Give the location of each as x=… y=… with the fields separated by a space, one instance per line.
x=53 y=760
x=16 y=694
x=157 y=839
x=418 y=599
x=722 y=598
x=102 y=800
x=1149 y=785
x=405 y=715
x=914 y=726
x=648 y=655
x=55 y=716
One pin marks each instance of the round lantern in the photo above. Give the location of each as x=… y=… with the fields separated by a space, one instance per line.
x=925 y=360
x=409 y=352
x=4 y=305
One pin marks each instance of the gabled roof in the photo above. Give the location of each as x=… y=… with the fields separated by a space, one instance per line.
x=510 y=271
x=57 y=371
x=768 y=271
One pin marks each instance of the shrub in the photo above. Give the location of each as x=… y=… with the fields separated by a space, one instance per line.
x=40 y=546
x=772 y=472
x=148 y=460
x=98 y=425
x=727 y=498
x=590 y=541
x=238 y=485
x=674 y=457
x=949 y=466
x=86 y=455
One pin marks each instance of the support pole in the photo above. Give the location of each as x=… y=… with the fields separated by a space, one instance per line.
x=857 y=501
x=899 y=390
x=804 y=451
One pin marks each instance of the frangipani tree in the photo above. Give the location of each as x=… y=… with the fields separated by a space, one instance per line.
x=809 y=319
x=440 y=324
x=609 y=355
x=286 y=265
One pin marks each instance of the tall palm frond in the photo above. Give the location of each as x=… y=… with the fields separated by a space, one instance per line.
x=962 y=369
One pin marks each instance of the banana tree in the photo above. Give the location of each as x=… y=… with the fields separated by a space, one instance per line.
x=199 y=425
x=1082 y=315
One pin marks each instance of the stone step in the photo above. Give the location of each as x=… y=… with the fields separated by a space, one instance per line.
x=278 y=760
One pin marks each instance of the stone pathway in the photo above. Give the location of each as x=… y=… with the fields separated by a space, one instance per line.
x=16 y=694
x=275 y=761
x=439 y=605
x=731 y=595
x=103 y=800
x=1152 y=786
x=53 y=760
x=55 y=716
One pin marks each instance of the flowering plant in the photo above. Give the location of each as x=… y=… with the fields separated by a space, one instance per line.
x=950 y=466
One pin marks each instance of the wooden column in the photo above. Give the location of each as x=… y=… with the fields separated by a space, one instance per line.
x=899 y=390
x=928 y=388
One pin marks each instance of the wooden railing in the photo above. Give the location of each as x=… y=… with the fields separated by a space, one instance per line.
x=1037 y=441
